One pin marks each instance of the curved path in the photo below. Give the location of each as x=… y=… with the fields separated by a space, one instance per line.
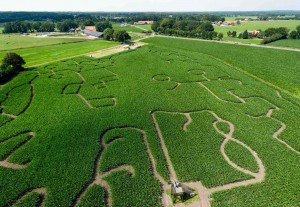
x=97 y=178
x=42 y=195
x=205 y=193
x=5 y=162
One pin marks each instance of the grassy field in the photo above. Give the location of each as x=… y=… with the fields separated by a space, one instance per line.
x=16 y=41
x=255 y=25
x=287 y=43
x=38 y=55
x=263 y=25
x=239 y=17
x=128 y=28
x=116 y=131
x=146 y=27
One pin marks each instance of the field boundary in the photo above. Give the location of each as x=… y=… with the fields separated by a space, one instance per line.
x=251 y=75
x=233 y=43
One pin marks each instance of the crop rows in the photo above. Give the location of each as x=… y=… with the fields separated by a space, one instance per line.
x=94 y=138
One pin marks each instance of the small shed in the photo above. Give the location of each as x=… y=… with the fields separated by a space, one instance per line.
x=179 y=189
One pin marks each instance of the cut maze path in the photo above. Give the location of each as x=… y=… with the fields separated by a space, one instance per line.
x=243 y=100
x=98 y=177
x=204 y=192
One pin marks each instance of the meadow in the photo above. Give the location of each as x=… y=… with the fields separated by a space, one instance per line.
x=128 y=28
x=286 y=43
x=255 y=25
x=43 y=54
x=17 y=41
x=117 y=131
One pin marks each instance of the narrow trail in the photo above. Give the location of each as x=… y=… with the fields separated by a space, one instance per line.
x=205 y=193
x=10 y=115
x=188 y=122
x=173 y=177
x=237 y=97
x=42 y=195
x=5 y=162
x=276 y=136
x=280 y=130
x=98 y=177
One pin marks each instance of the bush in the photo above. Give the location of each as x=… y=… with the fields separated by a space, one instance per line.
x=294 y=35
x=273 y=38
x=12 y=63
x=6 y=72
x=14 y=60
x=121 y=36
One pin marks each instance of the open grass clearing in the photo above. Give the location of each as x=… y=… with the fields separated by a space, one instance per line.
x=286 y=43
x=39 y=55
x=17 y=41
x=128 y=28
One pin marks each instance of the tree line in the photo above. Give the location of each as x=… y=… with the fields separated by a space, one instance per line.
x=186 y=28
x=64 y=26
x=24 y=27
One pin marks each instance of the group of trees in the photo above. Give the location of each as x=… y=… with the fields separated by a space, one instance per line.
x=185 y=28
x=295 y=34
x=24 y=27
x=231 y=34
x=12 y=63
x=274 y=34
x=116 y=35
x=64 y=26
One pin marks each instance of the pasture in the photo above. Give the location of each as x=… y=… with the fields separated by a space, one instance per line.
x=116 y=131
x=255 y=25
x=43 y=54
x=286 y=43
x=129 y=28
x=17 y=41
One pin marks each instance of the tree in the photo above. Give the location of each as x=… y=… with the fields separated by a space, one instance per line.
x=167 y=23
x=229 y=34
x=101 y=26
x=220 y=36
x=233 y=34
x=294 y=35
x=238 y=22
x=13 y=60
x=207 y=26
x=155 y=26
x=5 y=73
x=108 y=34
x=121 y=36
x=283 y=31
x=66 y=25
x=298 y=29
x=245 y=34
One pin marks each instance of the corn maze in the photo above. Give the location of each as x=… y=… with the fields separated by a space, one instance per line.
x=117 y=131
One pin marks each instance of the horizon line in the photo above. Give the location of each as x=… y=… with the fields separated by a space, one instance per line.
x=90 y=11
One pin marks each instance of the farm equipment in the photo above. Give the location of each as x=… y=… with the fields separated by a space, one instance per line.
x=182 y=191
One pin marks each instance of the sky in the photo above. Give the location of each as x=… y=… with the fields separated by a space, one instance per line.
x=148 y=5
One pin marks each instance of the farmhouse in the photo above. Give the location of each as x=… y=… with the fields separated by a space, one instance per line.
x=92 y=33
x=92 y=28
x=143 y=22
x=226 y=23
x=254 y=33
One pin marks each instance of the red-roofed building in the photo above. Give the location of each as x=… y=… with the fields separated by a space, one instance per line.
x=92 y=28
